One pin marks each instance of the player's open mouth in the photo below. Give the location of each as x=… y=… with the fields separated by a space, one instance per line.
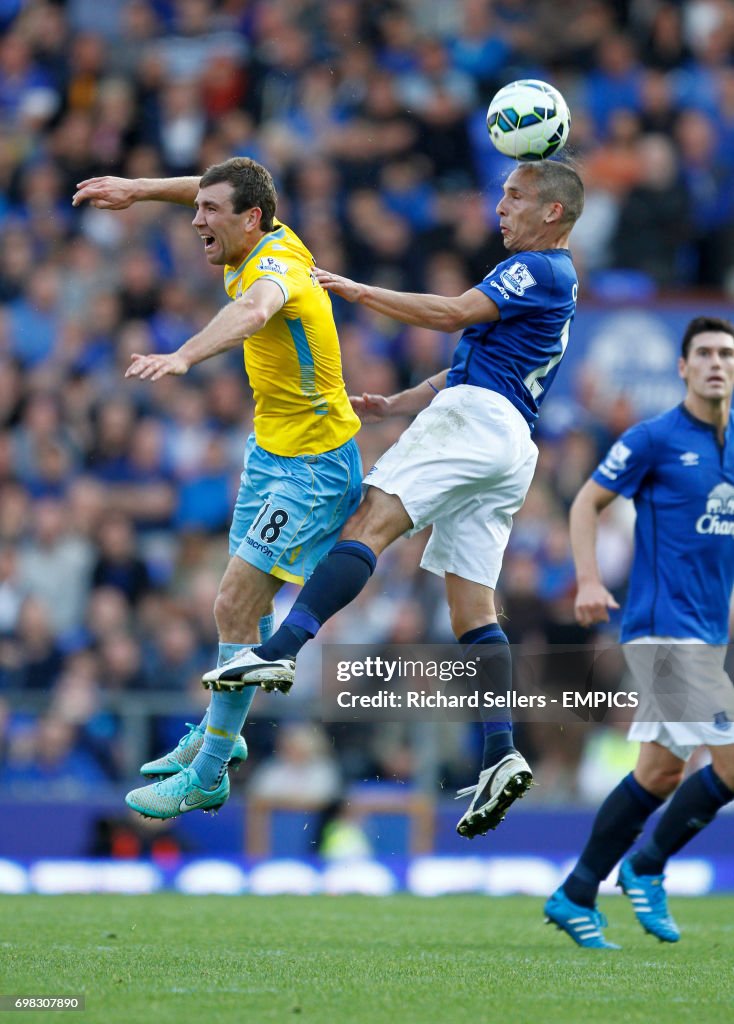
x=208 y=241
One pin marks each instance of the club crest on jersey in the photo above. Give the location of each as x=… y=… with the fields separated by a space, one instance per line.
x=690 y=458
x=517 y=278
x=616 y=460
x=719 y=503
x=272 y=265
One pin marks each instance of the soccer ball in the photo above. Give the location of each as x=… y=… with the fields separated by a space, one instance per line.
x=528 y=120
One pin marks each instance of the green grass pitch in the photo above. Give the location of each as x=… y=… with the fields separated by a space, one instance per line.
x=357 y=960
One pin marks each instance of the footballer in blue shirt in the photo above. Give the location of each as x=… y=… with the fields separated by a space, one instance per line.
x=465 y=463
x=679 y=470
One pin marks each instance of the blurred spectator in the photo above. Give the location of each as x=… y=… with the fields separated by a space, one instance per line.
x=340 y=834
x=51 y=753
x=301 y=771
x=655 y=209
x=55 y=565
x=117 y=564
x=11 y=590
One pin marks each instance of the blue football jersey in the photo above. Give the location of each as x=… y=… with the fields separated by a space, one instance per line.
x=682 y=483
x=518 y=355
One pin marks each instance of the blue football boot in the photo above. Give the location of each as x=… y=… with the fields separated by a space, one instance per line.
x=583 y=924
x=649 y=902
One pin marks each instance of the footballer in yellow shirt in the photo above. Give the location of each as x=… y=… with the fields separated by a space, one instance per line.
x=302 y=473
x=293 y=361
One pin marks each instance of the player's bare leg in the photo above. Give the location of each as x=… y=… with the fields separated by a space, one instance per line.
x=379 y=520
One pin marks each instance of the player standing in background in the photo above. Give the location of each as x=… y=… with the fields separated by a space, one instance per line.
x=679 y=469
x=302 y=473
x=465 y=463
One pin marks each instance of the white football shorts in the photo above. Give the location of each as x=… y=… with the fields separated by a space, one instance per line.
x=464 y=466
x=686 y=697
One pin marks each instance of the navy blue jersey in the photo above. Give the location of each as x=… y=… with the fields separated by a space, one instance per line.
x=682 y=483
x=518 y=355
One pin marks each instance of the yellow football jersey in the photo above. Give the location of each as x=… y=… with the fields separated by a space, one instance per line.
x=293 y=363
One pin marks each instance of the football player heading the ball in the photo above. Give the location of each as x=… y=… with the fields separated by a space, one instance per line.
x=466 y=462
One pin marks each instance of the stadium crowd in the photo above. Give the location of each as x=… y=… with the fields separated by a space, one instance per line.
x=115 y=496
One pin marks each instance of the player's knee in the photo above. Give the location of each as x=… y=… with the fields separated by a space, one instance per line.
x=469 y=614
x=723 y=765
x=367 y=528
x=660 y=780
x=379 y=520
x=222 y=610
x=463 y=620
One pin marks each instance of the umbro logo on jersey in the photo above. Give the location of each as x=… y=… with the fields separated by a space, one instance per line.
x=690 y=458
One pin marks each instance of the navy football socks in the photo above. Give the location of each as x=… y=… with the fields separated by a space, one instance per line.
x=495 y=674
x=336 y=581
x=694 y=805
x=617 y=824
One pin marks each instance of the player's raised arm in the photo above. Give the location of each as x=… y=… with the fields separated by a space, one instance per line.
x=229 y=328
x=111 y=193
x=436 y=312
x=593 y=600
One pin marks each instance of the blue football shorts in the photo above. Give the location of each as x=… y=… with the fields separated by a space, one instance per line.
x=290 y=510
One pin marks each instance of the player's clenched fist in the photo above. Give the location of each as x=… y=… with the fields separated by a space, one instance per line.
x=106 y=193
x=592 y=605
x=153 y=367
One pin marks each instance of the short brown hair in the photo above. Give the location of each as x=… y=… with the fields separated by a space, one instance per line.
x=558 y=182
x=701 y=325
x=252 y=185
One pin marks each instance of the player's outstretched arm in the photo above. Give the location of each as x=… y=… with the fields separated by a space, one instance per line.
x=436 y=312
x=111 y=193
x=371 y=408
x=229 y=328
x=593 y=600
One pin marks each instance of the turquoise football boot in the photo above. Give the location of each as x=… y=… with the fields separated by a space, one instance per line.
x=176 y=795
x=187 y=749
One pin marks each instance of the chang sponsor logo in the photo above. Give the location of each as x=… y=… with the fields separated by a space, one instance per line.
x=719 y=515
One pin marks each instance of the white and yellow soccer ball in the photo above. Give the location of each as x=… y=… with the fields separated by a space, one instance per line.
x=528 y=120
